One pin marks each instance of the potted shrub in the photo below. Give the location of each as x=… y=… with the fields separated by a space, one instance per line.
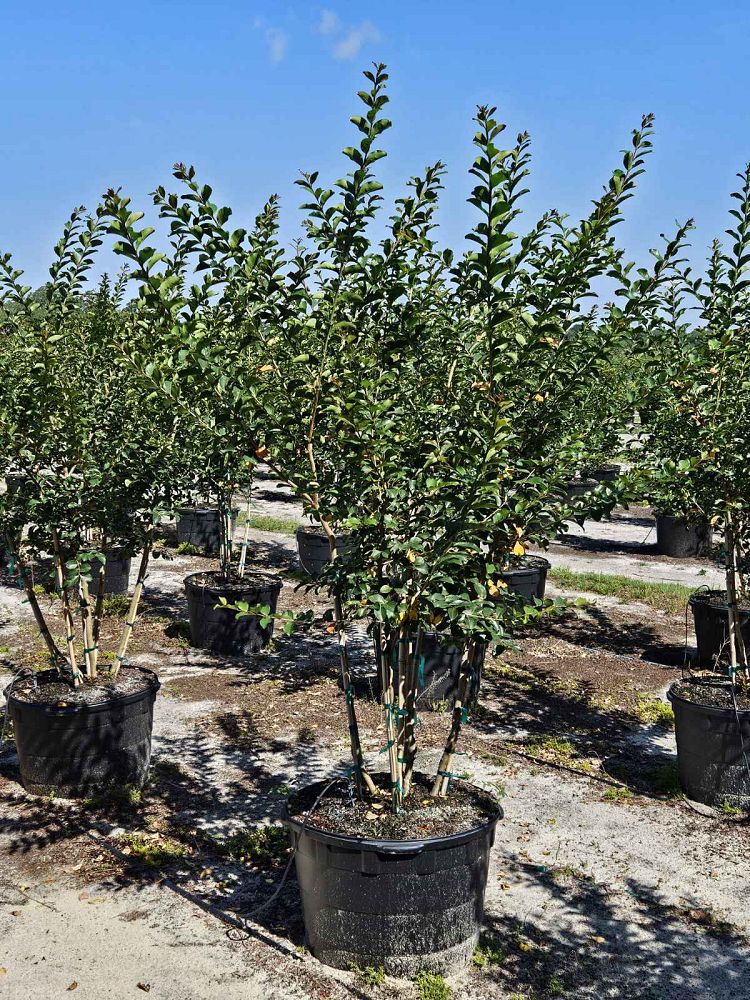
x=91 y=451
x=431 y=414
x=198 y=335
x=693 y=448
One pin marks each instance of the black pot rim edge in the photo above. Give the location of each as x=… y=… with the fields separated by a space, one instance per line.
x=708 y=709
x=389 y=846
x=269 y=582
x=105 y=706
x=700 y=597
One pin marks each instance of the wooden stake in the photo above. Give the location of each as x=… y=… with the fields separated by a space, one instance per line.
x=127 y=629
x=246 y=533
x=69 y=623
x=442 y=778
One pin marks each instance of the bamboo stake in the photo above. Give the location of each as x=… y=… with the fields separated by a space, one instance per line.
x=410 y=719
x=736 y=645
x=245 y=536
x=391 y=734
x=99 y=607
x=442 y=778
x=70 y=635
x=127 y=629
x=90 y=648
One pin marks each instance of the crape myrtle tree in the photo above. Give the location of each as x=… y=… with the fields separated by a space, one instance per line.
x=196 y=333
x=433 y=402
x=93 y=456
x=696 y=446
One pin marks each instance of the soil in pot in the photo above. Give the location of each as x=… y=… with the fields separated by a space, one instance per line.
x=75 y=741
x=680 y=539
x=219 y=629
x=438 y=670
x=713 y=742
x=381 y=900
x=711 y=618
x=314 y=551
x=199 y=526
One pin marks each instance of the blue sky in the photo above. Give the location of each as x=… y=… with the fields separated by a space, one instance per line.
x=99 y=95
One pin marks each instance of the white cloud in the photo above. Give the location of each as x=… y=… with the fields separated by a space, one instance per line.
x=276 y=40
x=350 y=45
x=329 y=23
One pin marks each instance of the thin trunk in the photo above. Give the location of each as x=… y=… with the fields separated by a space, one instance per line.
x=70 y=635
x=90 y=648
x=55 y=652
x=246 y=533
x=391 y=716
x=127 y=629
x=443 y=776
x=99 y=608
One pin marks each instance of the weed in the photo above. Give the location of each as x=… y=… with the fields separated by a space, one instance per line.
x=155 y=851
x=487 y=952
x=188 y=549
x=654 y=710
x=671 y=597
x=730 y=810
x=263 y=847
x=551 y=748
x=667 y=782
x=432 y=987
x=617 y=794
x=4 y=650
x=555 y=986
x=441 y=706
x=116 y=606
x=115 y=797
x=369 y=975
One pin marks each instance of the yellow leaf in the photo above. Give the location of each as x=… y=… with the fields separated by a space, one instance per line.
x=411 y=555
x=518 y=549
x=538 y=397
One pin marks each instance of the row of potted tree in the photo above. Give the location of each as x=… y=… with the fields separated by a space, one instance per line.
x=430 y=408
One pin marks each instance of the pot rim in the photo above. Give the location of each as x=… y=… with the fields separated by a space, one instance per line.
x=202 y=511
x=118 y=699
x=382 y=846
x=531 y=563
x=673 y=697
x=255 y=581
x=700 y=597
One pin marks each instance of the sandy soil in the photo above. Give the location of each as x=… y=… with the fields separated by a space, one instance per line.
x=603 y=882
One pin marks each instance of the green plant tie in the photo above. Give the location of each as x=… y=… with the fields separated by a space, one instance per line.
x=464 y=715
x=420 y=672
x=70 y=638
x=91 y=649
x=349 y=693
x=446 y=774
x=131 y=624
x=389 y=744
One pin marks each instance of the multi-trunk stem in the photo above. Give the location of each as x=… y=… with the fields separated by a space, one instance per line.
x=737 y=652
x=127 y=629
x=460 y=711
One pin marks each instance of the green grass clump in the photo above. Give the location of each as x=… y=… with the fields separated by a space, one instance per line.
x=263 y=847
x=267 y=522
x=188 y=549
x=154 y=851
x=117 y=797
x=116 y=606
x=554 y=747
x=487 y=952
x=369 y=975
x=670 y=597
x=432 y=987
x=667 y=782
x=654 y=710
x=729 y=810
x=618 y=794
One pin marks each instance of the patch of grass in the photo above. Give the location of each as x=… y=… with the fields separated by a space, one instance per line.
x=441 y=706
x=555 y=986
x=551 y=747
x=432 y=987
x=618 y=794
x=369 y=975
x=655 y=711
x=4 y=650
x=115 y=797
x=263 y=847
x=188 y=549
x=154 y=851
x=670 y=597
x=116 y=606
x=487 y=952
x=729 y=810
x=667 y=782
x=267 y=522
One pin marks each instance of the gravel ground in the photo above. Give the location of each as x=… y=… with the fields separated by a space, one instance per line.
x=599 y=886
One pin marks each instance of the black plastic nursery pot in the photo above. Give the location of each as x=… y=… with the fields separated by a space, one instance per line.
x=199 y=526
x=116 y=574
x=313 y=549
x=439 y=670
x=403 y=905
x=606 y=473
x=711 y=746
x=529 y=579
x=680 y=539
x=579 y=488
x=79 y=749
x=711 y=618
x=220 y=630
